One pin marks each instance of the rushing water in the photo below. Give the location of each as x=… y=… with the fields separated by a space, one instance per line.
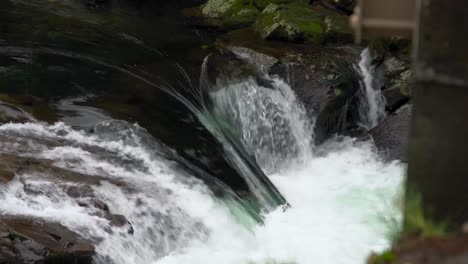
x=343 y=199
x=373 y=106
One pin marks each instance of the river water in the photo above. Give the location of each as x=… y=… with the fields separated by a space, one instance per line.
x=179 y=171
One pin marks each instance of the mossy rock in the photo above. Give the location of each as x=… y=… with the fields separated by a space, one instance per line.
x=295 y=22
x=301 y=22
x=230 y=13
x=406 y=83
x=337 y=30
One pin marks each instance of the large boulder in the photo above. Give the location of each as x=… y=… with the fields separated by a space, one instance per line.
x=230 y=13
x=391 y=136
x=301 y=22
x=400 y=90
x=296 y=23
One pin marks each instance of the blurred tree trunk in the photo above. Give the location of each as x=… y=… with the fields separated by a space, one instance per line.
x=438 y=155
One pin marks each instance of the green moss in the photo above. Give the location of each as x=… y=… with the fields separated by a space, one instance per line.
x=231 y=12
x=295 y=22
x=418 y=221
x=386 y=257
x=337 y=92
x=406 y=83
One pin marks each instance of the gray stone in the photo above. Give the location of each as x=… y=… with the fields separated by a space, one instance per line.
x=391 y=136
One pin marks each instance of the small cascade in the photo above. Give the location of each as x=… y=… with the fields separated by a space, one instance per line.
x=270 y=121
x=372 y=110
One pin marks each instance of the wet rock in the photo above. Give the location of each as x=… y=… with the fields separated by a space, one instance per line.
x=391 y=136
x=230 y=13
x=394 y=98
x=301 y=22
x=392 y=75
x=25 y=240
x=262 y=61
x=296 y=23
x=79 y=191
x=8 y=167
x=329 y=93
x=12 y=113
x=225 y=65
x=23 y=108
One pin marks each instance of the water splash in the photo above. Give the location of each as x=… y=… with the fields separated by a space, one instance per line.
x=271 y=122
x=165 y=207
x=372 y=109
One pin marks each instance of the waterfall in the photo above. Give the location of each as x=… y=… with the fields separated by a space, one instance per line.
x=271 y=122
x=343 y=198
x=372 y=109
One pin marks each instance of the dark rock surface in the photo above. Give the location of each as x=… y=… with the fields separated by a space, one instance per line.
x=391 y=136
x=25 y=240
x=343 y=6
x=29 y=240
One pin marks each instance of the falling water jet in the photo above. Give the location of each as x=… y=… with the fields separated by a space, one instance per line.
x=372 y=109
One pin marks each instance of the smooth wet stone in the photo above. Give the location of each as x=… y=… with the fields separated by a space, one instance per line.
x=391 y=136
x=38 y=241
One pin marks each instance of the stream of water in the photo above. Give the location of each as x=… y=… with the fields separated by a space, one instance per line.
x=373 y=106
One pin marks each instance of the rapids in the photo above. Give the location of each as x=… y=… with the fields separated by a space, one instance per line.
x=343 y=200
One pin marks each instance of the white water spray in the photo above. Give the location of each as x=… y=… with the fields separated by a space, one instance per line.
x=270 y=121
x=373 y=107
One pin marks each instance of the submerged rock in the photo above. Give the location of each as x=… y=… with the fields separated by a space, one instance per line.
x=391 y=136
x=24 y=240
